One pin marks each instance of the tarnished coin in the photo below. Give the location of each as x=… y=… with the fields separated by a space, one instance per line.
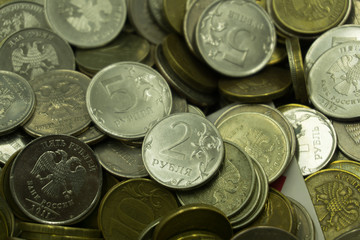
x=15 y=16
x=86 y=24
x=264 y=233
x=304 y=225
x=31 y=52
x=144 y=23
x=183 y=151
x=126 y=47
x=336 y=196
x=236 y=38
x=193 y=217
x=123 y=204
x=56 y=179
x=17 y=101
x=174 y=11
x=262 y=138
x=231 y=189
x=147 y=233
x=7 y=220
x=4 y=229
x=179 y=103
x=120 y=159
x=348 y=138
x=334 y=91
x=60 y=103
x=125 y=99
x=346 y=165
x=316 y=138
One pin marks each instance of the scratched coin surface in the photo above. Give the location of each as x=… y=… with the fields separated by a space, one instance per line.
x=60 y=103
x=85 y=23
x=183 y=151
x=236 y=38
x=125 y=99
x=17 y=101
x=231 y=188
x=56 y=179
x=30 y=52
x=336 y=195
x=15 y=16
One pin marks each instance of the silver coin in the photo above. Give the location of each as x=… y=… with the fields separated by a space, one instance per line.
x=85 y=23
x=316 y=138
x=17 y=101
x=91 y=135
x=31 y=52
x=305 y=227
x=11 y=143
x=179 y=103
x=126 y=99
x=348 y=138
x=142 y=20
x=120 y=159
x=328 y=40
x=15 y=16
x=333 y=85
x=183 y=151
x=157 y=10
x=196 y=110
x=236 y=38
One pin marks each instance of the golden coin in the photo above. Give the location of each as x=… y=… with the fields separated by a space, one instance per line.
x=335 y=194
x=265 y=86
x=297 y=69
x=346 y=165
x=287 y=107
x=310 y=17
x=174 y=11
x=196 y=235
x=128 y=207
x=193 y=72
x=278 y=55
x=278 y=212
x=193 y=217
x=45 y=236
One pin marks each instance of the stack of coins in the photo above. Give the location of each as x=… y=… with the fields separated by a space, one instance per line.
x=105 y=111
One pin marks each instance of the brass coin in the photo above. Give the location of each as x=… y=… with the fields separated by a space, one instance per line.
x=174 y=11
x=346 y=165
x=264 y=233
x=353 y=234
x=193 y=217
x=131 y=205
x=7 y=220
x=45 y=236
x=279 y=53
x=4 y=230
x=196 y=235
x=269 y=84
x=335 y=194
x=289 y=106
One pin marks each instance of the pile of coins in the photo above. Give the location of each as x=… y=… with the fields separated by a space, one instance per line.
x=174 y=119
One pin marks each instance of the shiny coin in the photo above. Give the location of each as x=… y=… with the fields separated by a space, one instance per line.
x=174 y=11
x=17 y=101
x=316 y=138
x=123 y=204
x=335 y=195
x=229 y=44
x=231 y=189
x=60 y=103
x=304 y=225
x=85 y=24
x=353 y=234
x=183 y=151
x=20 y=15
x=262 y=138
x=346 y=165
x=334 y=92
x=120 y=159
x=125 y=99
x=56 y=179
x=126 y=47
x=264 y=233
x=144 y=23
x=269 y=84
x=193 y=217
x=91 y=135
x=31 y=52
x=348 y=138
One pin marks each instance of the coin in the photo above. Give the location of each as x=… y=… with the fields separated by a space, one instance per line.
x=120 y=159
x=316 y=138
x=236 y=38
x=45 y=236
x=147 y=233
x=125 y=99
x=174 y=11
x=4 y=232
x=289 y=106
x=85 y=24
x=265 y=233
x=33 y=51
x=269 y=84
x=193 y=217
x=196 y=110
x=60 y=103
x=231 y=189
x=179 y=103
x=20 y=15
x=334 y=91
x=183 y=151
x=348 y=138
x=346 y=165
x=335 y=195
x=123 y=204
x=91 y=135
x=278 y=55
x=56 y=179
x=191 y=235
x=305 y=227
x=157 y=11
x=353 y=234
x=17 y=101
x=262 y=138
x=7 y=220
